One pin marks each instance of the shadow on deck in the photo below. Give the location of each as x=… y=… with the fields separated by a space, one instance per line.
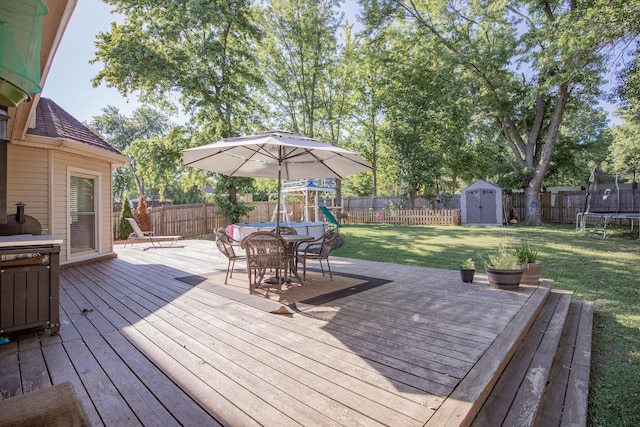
x=142 y=348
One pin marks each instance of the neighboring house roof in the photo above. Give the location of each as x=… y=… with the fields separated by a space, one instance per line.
x=53 y=121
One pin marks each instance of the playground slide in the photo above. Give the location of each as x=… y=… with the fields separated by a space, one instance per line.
x=332 y=219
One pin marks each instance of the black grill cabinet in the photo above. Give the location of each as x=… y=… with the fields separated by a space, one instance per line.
x=29 y=283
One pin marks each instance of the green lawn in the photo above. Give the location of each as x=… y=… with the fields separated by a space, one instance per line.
x=604 y=271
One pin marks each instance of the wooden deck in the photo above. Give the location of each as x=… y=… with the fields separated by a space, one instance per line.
x=142 y=348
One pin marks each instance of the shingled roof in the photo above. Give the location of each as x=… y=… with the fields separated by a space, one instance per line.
x=54 y=122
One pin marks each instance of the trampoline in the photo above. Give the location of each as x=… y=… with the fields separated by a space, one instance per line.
x=609 y=198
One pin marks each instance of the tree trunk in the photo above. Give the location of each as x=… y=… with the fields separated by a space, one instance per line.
x=534 y=216
x=533 y=212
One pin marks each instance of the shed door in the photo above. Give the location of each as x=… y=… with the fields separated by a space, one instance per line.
x=481 y=206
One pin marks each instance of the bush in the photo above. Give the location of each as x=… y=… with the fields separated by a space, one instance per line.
x=124 y=228
x=142 y=214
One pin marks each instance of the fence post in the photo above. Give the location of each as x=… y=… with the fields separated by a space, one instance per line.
x=203 y=228
x=161 y=215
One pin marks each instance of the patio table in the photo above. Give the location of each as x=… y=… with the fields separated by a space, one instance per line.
x=293 y=243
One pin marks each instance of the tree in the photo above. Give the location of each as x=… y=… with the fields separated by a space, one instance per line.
x=425 y=116
x=142 y=214
x=121 y=132
x=363 y=68
x=200 y=52
x=124 y=228
x=159 y=160
x=522 y=62
x=625 y=149
x=297 y=51
x=226 y=197
x=304 y=90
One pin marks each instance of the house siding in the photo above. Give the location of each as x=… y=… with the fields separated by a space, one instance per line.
x=28 y=182
x=30 y=174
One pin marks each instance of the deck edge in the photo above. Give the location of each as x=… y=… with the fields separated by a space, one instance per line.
x=463 y=404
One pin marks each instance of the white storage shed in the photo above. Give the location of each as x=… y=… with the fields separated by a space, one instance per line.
x=481 y=204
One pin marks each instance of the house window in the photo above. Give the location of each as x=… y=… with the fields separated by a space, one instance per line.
x=82 y=213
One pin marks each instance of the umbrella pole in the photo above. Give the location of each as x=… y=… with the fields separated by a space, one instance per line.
x=279 y=194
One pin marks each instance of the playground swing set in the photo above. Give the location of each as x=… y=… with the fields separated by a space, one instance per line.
x=319 y=197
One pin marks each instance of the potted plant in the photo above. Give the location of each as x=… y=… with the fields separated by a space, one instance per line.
x=503 y=269
x=528 y=258
x=467 y=270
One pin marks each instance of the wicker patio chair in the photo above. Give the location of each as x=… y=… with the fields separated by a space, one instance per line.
x=266 y=250
x=319 y=250
x=288 y=230
x=284 y=231
x=229 y=248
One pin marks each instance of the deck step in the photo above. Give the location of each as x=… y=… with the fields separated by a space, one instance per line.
x=518 y=393
x=565 y=399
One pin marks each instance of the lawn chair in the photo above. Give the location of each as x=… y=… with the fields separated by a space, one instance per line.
x=139 y=236
x=231 y=249
x=266 y=250
x=319 y=250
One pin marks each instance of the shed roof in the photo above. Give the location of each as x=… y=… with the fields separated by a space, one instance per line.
x=482 y=184
x=54 y=122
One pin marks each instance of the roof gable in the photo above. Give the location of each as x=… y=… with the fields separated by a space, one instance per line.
x=482 y=184
x=53 y=121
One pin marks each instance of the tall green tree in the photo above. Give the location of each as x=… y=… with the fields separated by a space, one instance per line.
x=159 y=162
x=304 y=87
x=198 y=52
x=426 y=114
x=625 y=149
x=620 y=26
x=121 y=132
x=522 y=62
x=297 y=51
x=363 y=66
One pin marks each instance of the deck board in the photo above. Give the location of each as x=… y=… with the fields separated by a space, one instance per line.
x=142 y=348
x=293 y=360
x=10 y=381
x=576 y=401
x=56 y=356
x=467 y=399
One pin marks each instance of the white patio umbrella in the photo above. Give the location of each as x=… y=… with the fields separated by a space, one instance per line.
x=275 y=154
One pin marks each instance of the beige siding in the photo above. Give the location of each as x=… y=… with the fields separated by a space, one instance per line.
x=28 y=181
x=61 y=163
x=29 y=178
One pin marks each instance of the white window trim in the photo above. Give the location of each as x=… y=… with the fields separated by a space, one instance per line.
x=85 y=173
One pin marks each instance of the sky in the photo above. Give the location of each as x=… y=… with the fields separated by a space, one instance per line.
x=69 y=81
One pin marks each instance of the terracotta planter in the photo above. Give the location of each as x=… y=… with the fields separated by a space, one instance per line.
x=504 y=279
x=466 y=274
x=531 y=273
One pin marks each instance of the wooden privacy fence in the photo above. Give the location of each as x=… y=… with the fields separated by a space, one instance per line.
x=186 y=220
x=181 y=220
x=200 y=219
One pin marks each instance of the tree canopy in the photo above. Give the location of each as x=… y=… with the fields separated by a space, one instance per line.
x=433 y=94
